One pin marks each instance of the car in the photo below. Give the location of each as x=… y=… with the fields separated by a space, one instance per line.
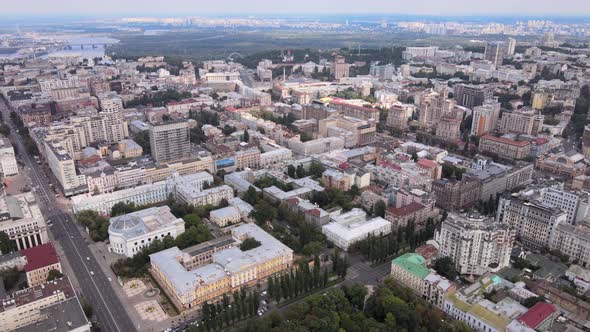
x=92 y=273
x=263 y=293
x=110 y=279
x=88 y=258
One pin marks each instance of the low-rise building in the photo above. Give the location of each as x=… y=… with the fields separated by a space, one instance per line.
x=51 y=306
x=223 y=267
x=350 y=227
x=41 y=260
x=8 y=165
x=568 y=165
x=22 y=221
x=132 y=232
x=504 y=147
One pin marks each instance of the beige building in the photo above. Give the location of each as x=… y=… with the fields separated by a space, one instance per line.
x=41 y=260
x=340 y=68
x=221 y=266
x=573 y=241
x=449 y=129
x=63 y=167
x=355 y=132
x=505 y=147
x=248 y=159
x=522 y=121
x=399 y=115
x=51 y=306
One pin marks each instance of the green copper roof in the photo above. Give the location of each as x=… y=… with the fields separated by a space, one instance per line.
x=413 y=263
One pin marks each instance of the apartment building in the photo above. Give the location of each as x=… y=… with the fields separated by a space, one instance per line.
x=398 y=116
x=236 y=211
x=449 y=129
x=567 y=165
x=485 y=118
x=522 y=121
x=8 y=165
x=340 y=68
x=111 y=106
x=228 y=269
x=476 y=244
x=533 y=220
x=355 y=132
x=573 y=241
x=433 y=106
x=248 y=158
x=41 y=260
x=505 y=147
x=62 y=165
x=471 y=96
x=453 y=194
x=52 y=306
x=495 y=52
x=410 y=270
x=353 y=110
x=275 y=157
x=22 y=221
x=496 y=178
x=170 y=141
x=132 y=232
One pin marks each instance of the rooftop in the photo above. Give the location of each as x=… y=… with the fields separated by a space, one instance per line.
x=537 y=314
x=40 y=256
x=413 y=263
x=136 y=224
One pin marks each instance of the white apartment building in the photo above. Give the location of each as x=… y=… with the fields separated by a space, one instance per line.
x=350 y=227
x=188 y=194
x=564 y=200
x=50 y=84
x=111 y=106
x=476 y=244
x=141 y=195
x=573 y=241
x=62 y=166
x=8 y=165
x=222 y=76
x=22 y=221
x=132 y=232
x=274 y=157
x=532 y=220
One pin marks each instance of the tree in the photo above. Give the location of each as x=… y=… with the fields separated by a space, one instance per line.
x=300 y=172
x=122 y=208
x=246 y=136
x=249 y=243
x=445 y=267
x=316 y=169
x=291 y=171
x=380 y=208
x=6 y=244
x=251 y=196
x=87 y=308
x=54 y=274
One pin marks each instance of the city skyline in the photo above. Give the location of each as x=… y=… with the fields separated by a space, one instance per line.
x=385 y=7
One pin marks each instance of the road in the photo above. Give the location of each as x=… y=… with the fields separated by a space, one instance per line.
x=96 y=289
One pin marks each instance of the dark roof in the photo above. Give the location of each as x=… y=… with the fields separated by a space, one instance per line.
x=405 y=210
x=40 y=256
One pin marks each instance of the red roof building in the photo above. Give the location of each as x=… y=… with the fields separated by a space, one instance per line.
x=539 y=316
x=40 y=261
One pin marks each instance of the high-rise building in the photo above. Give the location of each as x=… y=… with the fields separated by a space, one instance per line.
x=511 y=46
x=476 y=244
x=485 y=118
x=111 y=106
x=170 y=141
x=472 y=95
x=433 y=106
x=340 y=68
x=495 y=52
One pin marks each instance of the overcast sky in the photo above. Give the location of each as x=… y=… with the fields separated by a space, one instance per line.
x=196 y=7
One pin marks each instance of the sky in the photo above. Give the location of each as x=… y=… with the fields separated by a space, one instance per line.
x=203 y=7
